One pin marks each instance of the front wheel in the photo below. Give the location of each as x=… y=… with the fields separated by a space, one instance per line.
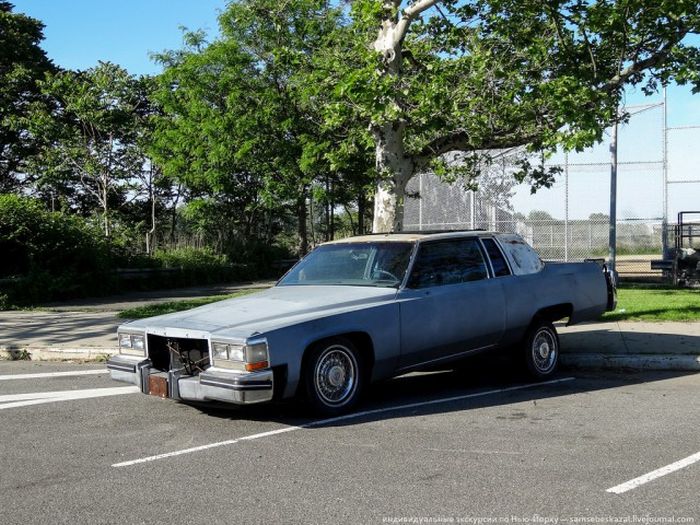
x=333 y=376
x=541 y=350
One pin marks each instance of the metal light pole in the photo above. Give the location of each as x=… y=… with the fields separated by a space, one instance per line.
x=612 y=239
x=664 y=190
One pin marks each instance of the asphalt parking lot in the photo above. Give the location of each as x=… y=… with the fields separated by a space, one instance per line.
x=437 y=447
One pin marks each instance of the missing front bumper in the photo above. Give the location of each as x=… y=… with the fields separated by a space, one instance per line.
x=211 y=385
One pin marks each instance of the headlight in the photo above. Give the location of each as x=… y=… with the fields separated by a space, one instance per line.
x=236 y=353
x=219 y=351
x=249 y=357
x=134 y=344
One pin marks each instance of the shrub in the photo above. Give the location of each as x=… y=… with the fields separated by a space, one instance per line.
x=49 y=255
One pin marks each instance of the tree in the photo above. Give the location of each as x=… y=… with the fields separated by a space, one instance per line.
x=22 y=64
x=88 y=129
x=237 y=121
x=433 y=76
x=202 y=95
x=539 y=215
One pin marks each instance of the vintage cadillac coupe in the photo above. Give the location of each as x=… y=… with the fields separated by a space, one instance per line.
x=363 y=309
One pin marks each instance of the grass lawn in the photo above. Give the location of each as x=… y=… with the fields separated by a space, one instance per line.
x=176 y=306
x=655 y=304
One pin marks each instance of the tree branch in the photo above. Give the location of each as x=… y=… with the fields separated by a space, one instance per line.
x=642 y=65
x=411 y=12
x=459 y=140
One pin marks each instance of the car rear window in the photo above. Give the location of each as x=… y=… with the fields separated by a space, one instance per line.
x=523 y=259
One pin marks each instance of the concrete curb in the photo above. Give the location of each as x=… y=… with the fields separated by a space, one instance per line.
x=579 y=360
x=57 y=354
x=633 y=361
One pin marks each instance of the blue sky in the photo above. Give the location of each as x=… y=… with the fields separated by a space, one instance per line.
x=81 y=32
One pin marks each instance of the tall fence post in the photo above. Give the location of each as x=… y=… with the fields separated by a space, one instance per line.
x=566 y=206
x=664 y=190
x=612 y=238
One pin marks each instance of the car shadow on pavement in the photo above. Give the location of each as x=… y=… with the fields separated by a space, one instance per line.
x=478 y=383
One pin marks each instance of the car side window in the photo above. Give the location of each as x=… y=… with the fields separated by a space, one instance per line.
x=448 y=262
x=500 y=267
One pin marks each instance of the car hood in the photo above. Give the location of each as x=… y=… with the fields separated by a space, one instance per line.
x=276 y=307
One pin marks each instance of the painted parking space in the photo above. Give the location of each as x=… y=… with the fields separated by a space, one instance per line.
x=435 y=445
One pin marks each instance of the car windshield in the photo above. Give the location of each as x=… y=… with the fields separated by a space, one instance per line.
x=353 y=264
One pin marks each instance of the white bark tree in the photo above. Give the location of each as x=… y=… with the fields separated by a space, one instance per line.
x=472 y=75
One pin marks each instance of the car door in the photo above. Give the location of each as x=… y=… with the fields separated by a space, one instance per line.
x=451 y=304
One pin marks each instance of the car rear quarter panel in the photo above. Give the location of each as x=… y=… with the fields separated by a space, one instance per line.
x=582 y=285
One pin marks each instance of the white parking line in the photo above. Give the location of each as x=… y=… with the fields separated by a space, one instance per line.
x=334 y=420
x=39 y=398
x=9 y=377
x=646 y=478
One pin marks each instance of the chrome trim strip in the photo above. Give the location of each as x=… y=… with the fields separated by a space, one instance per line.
x=497 y=241
x=409 y=267
x=487 y=259
x=446 y=358
x=256 y=385
x=121 y=367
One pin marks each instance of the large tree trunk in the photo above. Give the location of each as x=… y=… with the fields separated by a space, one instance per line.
x=395 y=170
x=301 y=224
x=105 y=205
x=361 y=200
x=393 y=166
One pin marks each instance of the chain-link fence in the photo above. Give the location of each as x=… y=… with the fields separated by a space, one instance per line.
x=656 y=178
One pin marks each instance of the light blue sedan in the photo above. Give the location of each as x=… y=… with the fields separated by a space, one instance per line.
x=364 y=309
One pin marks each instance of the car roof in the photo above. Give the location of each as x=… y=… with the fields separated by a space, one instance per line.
x=413 y=236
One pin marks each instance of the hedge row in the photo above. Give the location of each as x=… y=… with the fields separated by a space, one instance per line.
x=50 y=256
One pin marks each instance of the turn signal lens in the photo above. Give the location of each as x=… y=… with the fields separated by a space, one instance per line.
x=252 y=367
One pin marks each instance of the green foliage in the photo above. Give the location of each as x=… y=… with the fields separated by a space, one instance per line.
x=289 y=119
x=241 y=122
x=90 y=126
x=22 y=64
x=53 y=256
x=427 y=78
x=189 y=258
x=50 y=255
x=194 y=266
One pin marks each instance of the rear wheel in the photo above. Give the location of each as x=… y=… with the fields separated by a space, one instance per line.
x=541 y=350
x=333 y=376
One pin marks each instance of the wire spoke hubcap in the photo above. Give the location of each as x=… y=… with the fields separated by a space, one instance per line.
x=335 y=375
x=544 y=350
